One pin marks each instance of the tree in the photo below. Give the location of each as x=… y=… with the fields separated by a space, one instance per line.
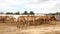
x=31 y=13
x=9 y=13
x=17 y=13
x=26 y=13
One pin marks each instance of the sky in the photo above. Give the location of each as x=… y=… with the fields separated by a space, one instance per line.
x=38 y=6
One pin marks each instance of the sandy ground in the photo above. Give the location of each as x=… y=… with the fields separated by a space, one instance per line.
x=42 y=29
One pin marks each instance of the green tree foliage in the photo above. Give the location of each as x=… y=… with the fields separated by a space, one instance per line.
x=31 y=13
x=17 y=13
x=11 y=13
x=26 y=13
x=58 y=13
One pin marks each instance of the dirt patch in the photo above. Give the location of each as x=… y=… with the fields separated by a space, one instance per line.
x=41 y=29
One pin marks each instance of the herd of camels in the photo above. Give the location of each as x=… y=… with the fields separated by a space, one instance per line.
x=27 y=20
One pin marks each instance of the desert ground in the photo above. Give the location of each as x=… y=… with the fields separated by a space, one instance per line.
x=41 y=29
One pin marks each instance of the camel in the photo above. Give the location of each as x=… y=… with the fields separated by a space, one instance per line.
x=2 y=18
x=20 y=22
x=9 y=19
x=34 y=20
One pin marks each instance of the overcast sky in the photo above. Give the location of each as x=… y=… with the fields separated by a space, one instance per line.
x=38 y=6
